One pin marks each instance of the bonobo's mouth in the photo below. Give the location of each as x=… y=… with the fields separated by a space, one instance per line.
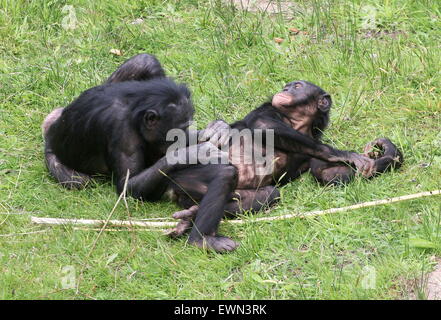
x=283 y=99
x=185 y=126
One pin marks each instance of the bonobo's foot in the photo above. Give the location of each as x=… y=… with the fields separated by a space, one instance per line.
x=184 y=225
x=181 y=228
x=383 y=147
x=385 y=154
x=189 y=213
x=217 y=243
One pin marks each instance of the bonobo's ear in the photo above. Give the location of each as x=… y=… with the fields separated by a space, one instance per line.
x=151 y=118
x=324 y=103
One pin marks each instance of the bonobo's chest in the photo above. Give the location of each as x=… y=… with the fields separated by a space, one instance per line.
x=257 y=165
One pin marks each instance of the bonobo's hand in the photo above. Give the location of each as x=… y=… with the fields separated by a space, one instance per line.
x=364 y=165
x=217 y=132
x=203 y=153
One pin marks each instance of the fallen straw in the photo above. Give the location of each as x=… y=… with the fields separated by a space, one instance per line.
x=100 y=223
x=335 y=210
x=161 y=224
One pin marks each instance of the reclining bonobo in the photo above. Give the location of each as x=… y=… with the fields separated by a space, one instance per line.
x=295 y=118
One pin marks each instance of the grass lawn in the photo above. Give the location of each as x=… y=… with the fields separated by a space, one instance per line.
x=380 y=61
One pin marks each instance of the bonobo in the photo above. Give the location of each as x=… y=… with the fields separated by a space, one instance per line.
x=119 y=128
x=296 y=117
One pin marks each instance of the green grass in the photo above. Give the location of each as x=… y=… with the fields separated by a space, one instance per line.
x=384 y=76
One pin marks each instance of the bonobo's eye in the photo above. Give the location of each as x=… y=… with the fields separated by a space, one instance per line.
x=298 y=85
x=151 y=118
x=172 y=106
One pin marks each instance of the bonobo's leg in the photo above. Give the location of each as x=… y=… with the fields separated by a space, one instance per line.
x=252 y=200
x=67 y=177
x=140 y=67
x=328 y=173
x=241 y=200
x=212 y=186
x=211 y=211
x=383 y=151
x=150 y=183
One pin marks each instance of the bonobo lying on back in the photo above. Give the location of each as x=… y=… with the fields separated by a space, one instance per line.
x=294 y=120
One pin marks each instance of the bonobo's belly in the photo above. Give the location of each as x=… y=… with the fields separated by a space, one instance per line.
x=256 y=167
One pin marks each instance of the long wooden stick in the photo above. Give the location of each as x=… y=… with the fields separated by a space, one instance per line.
x=161 y=224
x=335 y=210
x=100 y=223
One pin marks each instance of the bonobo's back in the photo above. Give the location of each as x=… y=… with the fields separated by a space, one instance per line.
x=86 y=125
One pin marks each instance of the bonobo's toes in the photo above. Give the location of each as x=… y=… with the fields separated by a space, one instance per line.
x=216 y=243
x=181 y=228
x=187 y=213
x=376 y=148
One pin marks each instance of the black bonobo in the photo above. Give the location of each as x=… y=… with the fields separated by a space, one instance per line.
x=119 y=128
x=296 y=118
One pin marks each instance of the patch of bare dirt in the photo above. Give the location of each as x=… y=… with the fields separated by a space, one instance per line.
x=427 y=287
x=286 y=8
x=433 y=286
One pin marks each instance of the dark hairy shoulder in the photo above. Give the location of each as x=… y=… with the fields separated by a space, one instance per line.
x=266 y=110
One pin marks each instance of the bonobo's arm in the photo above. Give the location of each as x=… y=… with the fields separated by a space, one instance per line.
x=290 y=140
x=150 y=183
x=145 y=184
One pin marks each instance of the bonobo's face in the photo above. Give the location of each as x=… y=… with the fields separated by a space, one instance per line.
x=170 y=114
x=301 y=93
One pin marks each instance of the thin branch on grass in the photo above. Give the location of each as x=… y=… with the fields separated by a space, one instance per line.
x=100 y=223
x=119 y=230
x=342 y=209
x=160 y=224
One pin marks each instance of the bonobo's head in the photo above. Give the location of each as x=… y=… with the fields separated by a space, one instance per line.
x=306 y=101
x=164 y=105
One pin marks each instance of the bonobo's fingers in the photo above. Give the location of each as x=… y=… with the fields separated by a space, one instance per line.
x=224 y=137
x=187 y=213
x=181 y=228
x=282 y=99
x=365 y=166
x=208 y=153
x=216 y=243
x=214 y=131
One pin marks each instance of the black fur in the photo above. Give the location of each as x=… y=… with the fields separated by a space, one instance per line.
x=119 y=127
